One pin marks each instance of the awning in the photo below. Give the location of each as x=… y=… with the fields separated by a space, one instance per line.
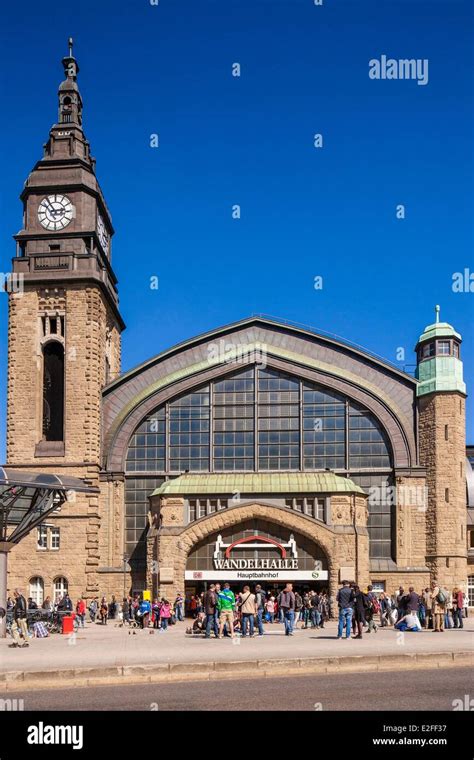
x=26 y=498
x=251 y=483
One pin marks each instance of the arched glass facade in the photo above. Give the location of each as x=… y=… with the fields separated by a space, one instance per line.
x=258 y=420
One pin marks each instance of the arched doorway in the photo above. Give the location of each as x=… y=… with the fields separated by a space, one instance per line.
x=254 y=551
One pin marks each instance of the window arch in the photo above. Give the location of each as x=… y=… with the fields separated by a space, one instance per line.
x=37 y=589
x=259 y=419
x=53 y=391
x=60 y=587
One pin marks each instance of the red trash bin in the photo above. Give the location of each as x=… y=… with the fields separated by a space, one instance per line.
x=68 y=624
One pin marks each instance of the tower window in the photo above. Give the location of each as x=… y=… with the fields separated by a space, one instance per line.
x=446 y=495
x=443 y=347
x=428 y=350
x=446 y=432
x=456 y=349
x=53 y=392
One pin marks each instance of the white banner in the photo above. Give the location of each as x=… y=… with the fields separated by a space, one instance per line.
x=256 y=575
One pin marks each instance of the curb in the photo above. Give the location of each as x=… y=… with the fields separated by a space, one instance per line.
x=19 y=680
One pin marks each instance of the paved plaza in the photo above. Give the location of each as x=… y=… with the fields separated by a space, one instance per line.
x=110 y=646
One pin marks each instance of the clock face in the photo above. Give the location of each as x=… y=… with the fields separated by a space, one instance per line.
x=55 y=212
x=102 y=233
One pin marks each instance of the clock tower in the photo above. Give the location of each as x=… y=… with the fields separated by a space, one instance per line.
x=64 y=321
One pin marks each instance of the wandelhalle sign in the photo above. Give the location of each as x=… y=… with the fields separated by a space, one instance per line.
x=228 y=566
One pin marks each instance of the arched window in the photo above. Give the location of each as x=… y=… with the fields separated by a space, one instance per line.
x=470 y=590
x=37 y=590
x=60 y=586
x=53 y=391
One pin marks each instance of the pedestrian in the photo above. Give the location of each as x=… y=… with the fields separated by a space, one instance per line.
x=458 y=604
x=372 y=610
x=155 y=609
x=178 y=607
x=248 y=611
x=193 y=606
x=165 y=614
x=448 y=615
x=361 y=606
x=428 y=603
x=439 y=599
x=47 y=605
x=80 y=612
x=409 y=622
x=401 y=602
x=345 y=599
x=19 y=627
x=260 y=600
x=298 y=608
x=270 y=609
x=210 y=611
x=226 y=607
x=145 y=612
x=93 y=606
x=286 y=603
x=103 y=611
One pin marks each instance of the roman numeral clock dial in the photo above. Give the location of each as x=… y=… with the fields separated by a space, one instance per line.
x=55 y=212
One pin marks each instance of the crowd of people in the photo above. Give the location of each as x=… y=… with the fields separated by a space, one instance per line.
x=220 y=612
x=435 y=608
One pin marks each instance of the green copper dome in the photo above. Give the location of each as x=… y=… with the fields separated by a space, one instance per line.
x=440 y=370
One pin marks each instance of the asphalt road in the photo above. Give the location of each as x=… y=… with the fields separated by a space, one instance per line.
x=421 y=690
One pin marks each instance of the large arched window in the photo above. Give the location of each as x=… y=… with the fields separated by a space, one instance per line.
x=53 y=391
x=259 y=419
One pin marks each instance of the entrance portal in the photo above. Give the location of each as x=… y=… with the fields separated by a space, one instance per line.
x=257 y=552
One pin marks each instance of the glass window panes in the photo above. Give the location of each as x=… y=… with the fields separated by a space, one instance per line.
x=60 y=586
x=381 y=506
x=137 y=492
x=368 y=447
x=37 y=590
x=42 y=540
x=189 y=432
x=233 y=414
x=146 y=450
x=324 y=429
x=54 y=534
x=443 y=347
x=278 y=421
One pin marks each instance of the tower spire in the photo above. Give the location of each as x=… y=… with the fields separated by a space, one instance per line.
x=437 y=310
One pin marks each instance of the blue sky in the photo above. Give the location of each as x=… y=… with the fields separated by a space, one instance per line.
x=248 y=140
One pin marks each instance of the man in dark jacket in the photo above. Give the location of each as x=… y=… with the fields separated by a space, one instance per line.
x=412 y=601
x=210 y=608
x=19 y=624
x=345 y=600
x=286 y=603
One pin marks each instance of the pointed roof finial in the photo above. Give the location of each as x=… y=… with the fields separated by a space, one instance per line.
x=437 y=310
x=70 y=43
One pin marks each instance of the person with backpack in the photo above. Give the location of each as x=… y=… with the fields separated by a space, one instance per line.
x=260 y=598
x=248 y=611
x=439 y=599
x=226 y=607
x=372 y=609
x=458 y=604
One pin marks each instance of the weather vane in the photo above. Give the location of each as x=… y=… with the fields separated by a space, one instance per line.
x=71 y=43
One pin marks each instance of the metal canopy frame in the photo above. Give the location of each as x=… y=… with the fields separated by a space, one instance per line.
x=26 y=498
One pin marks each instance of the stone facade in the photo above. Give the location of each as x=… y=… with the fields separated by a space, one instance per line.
x=67 y=275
